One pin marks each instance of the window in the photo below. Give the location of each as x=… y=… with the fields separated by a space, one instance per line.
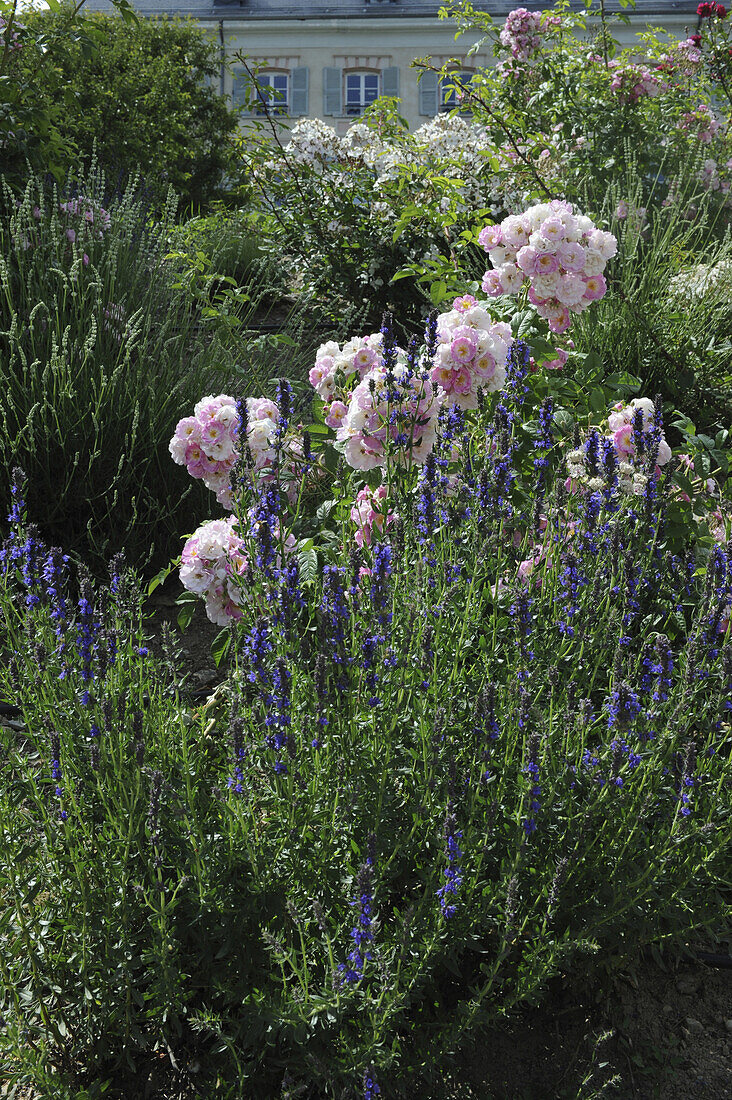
x=273 y=94
x=449 y=91
x=361 y=90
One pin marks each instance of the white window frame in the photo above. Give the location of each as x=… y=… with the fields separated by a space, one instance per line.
x=355 y=110
x=278 y=104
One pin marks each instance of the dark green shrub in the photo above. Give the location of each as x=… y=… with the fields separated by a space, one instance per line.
x=143 y=95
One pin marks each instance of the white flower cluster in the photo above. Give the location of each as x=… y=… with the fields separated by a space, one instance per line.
x=445 y=140
x=631 y=436
x=700 y=280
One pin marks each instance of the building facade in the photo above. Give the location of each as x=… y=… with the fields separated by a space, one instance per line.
x=330 y=60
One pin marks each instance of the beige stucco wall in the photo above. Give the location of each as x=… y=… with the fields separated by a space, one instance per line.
x=365 y=43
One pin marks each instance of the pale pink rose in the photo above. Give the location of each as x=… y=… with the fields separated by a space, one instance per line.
x=664 y=452
x=359 y=456
x=195 y=577
x=336 y=414
x=442 y=376
x=515 y=231
x=623 y=441
x=571 y=256
x=553 y=229
x=546 y=263
x=527 y=567
x=491 y=284
x=461 y=381
x=178 y=448
x=605 y=243
x=364 y=359
x=511 y=278
x=546 y=285
x=197 y=461
x=570 y=290
x=503 y=331
x=490 y=237
x=466 y=302
x=616 y=421
x=188 y=429
x=526 y=259
x=485 y=366
x=558 y=362
x=462 y=349
x=559 y=323
x=595 y=287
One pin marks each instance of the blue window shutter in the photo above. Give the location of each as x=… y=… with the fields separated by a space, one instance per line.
x=429 y=94
x=299 y=91
x=390 y=82
x=332 y=92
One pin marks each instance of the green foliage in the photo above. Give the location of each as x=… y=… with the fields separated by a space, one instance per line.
x=98 y=358
x=142 y=93
x=29 y=120
x=353 y=217
x=667 y=315
x=257 y=889
x=576 y=113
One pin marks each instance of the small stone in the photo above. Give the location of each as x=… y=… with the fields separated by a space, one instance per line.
x=688 y=985
x=205 y=677
x=666 y=1009
x=728 y=1025
x=694 y=1026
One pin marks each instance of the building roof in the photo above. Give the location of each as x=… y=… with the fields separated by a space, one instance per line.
x=365 y=9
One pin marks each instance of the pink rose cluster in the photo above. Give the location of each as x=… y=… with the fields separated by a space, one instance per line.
x=369 y=513
x=396 y=419
x=334 y=365
x=471 y=352
x=631 y=82
x=559 y=254
x=212 y=558
x=686 y=55
x=715 y=177
x=214 y=561
x=379 y=416
x=701 y=123
x=11 y=39
x=621 y=424
x=522 y=31
x=206 y=443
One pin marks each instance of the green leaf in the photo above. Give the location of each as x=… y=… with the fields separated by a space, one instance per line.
x=307 y=560
x=323 y=513
x=220 y=646
x=187 y=603
x=162 y=576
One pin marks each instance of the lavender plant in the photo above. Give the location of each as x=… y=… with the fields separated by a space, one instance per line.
x=98 y=353
x=451 y=759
